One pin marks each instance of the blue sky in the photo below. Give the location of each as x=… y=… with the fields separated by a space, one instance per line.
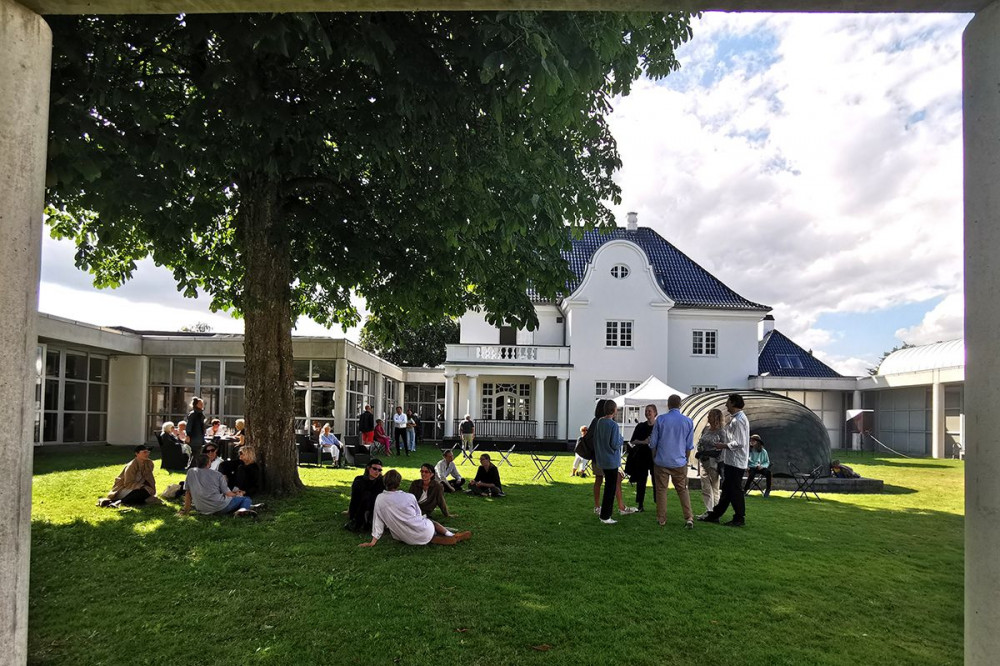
x=811 y=162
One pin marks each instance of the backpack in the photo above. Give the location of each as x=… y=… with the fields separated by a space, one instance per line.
x=585 y=445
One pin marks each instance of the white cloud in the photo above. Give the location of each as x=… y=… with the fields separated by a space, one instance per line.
x=944 y=322
x=820 y=172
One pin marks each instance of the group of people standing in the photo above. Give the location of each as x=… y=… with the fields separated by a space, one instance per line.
x=405 y=429
x=661 y=447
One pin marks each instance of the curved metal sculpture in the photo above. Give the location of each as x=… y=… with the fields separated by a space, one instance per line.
x=790 y=430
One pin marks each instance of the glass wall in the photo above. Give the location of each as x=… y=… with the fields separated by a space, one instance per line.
x=427 y=400
x=315 y=391
x=390 y=387
x=360 y=392
x=174 y=382
x=74 y=399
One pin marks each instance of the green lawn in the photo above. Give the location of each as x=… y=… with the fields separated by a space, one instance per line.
x=863 y=579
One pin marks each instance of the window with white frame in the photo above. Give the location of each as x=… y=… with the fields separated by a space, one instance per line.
x=703 y=389
x=704 y=343
x=627 y=414
x=618 y=334
x=619 y=271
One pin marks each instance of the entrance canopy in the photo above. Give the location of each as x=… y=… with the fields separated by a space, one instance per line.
x=652 y=391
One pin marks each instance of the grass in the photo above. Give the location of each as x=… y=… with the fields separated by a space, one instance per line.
x=859 y=579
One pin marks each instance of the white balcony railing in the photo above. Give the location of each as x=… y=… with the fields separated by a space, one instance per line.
x=508 y=354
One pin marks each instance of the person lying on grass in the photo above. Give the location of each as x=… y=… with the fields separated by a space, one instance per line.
x=206 y=490
x=487 y=481
x=400 y=513
x=135 y=485
x=429 y=492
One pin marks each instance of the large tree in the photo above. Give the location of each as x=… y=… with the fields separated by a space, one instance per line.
x=412 y=346
x=430 y=161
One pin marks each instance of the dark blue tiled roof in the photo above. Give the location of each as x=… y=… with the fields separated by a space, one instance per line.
x=780 y=357
x=684 y=281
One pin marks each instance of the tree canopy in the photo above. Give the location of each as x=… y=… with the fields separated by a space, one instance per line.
x=432 y=162
x=417 y=346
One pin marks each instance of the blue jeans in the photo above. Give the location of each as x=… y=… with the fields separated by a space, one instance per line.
x=235 y=504
x=411 y=439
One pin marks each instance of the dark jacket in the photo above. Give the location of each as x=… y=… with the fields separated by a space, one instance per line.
x=196 y=426
x=435 y=497
x=363 y=494
x=248 y=478
x=366 y=422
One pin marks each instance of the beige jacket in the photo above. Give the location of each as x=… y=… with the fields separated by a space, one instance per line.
x=135 y=475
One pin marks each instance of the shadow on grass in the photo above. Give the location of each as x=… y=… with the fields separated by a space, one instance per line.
x=76 y=457
x=535 y=572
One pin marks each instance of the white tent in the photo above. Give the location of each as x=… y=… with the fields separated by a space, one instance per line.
x=651 y=391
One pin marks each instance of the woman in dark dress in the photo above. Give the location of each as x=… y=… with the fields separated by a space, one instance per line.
x=640 y=459
x=196 y=426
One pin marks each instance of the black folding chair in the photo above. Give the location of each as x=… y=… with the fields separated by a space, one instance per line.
x=542 y=464
x=505 y=456
x=756 y=483
x=805 y=482
x=469 y=456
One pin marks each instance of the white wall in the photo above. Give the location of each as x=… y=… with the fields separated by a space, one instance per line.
x=127 y=392
x=549 y=331
x=600 y=298
x=736 y=357
x=475 y=330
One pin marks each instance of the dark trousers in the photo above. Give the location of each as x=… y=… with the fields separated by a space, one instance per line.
x=752 y=472
x=640 y=487
x=455 y=485
x=731 y=492
x=136 y=497
x=400 y=436
x=608 y=498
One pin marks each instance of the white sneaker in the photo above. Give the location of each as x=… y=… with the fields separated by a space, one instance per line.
x=609 y=521
x=627 y=510
x=597 y=510
x=703 y=516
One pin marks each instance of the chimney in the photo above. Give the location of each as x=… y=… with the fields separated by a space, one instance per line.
x=765 y=326
x=633 y=221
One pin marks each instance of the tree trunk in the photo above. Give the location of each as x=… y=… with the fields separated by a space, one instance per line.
x=265 y=253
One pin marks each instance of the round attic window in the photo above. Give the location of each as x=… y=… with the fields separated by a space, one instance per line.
x=619 y=271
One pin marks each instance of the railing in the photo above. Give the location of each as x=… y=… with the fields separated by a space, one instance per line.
x=502 y=429
x=550 y=430
x=514 y=354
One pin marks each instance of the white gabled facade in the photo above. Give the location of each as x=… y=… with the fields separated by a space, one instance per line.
x=616 y=328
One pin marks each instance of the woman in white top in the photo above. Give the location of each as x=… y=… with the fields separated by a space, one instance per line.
x=400 y=513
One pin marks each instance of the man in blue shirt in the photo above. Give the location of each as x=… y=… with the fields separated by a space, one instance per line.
x=671 y=444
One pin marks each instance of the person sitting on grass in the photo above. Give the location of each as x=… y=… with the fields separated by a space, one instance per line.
x=206 y=490
x=487 y=481
x=135 y=485
x=759 y=464
x=445 y=469
x=249 y=475
x=400 y=513
x=429 y=492
x=364 y=490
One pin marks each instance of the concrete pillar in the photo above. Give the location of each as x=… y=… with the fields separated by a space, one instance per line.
x=449 y=405
x=340 y=415
x=856 y=437
x=539 y=407
x=981 y=113
x=401 y=398
x=25 y=61
x=379 y=395
x=472 y=397
x=937 y=420
x=128 y=395
x=561 y=416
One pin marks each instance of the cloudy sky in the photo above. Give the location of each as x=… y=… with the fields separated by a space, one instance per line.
x=811 y=162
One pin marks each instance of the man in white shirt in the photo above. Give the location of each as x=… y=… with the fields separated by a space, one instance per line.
x=446 y=468
x=399 y=435
x=735 y=453
x=399 y=512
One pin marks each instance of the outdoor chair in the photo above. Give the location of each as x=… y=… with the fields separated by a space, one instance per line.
x=172 y=456
x=505 y=456
x=469 y=456
x=759 y=483
x=542 y=464
x=805 y=482
x=309 y=453
x=355 y=453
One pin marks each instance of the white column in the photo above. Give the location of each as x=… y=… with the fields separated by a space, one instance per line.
x=379 y=395
x=539 y=407
x=856 y=437
x=981 y=115
x=449 y=404
x=472 y=397
x=340 y=414
x=25 y=61
x=561 y=416
x=400 y=399
x=937 y=420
